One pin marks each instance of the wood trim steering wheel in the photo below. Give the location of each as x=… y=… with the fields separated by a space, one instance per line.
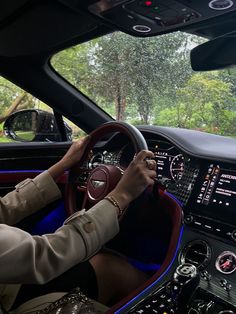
x=103 y=178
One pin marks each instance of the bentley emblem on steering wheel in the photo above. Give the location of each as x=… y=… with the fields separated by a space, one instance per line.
x=97 y=183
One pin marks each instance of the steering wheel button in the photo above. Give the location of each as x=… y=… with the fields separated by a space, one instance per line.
x=89 y=227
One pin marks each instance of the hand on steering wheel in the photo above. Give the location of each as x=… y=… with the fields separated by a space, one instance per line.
x=104 y=178
x=140 y=174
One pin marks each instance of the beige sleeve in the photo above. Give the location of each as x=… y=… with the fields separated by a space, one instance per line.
x=38 y=259
x=29 y=196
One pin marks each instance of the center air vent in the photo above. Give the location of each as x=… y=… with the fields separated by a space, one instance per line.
x=197 y=252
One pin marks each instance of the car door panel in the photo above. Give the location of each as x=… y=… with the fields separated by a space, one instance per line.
x=26 y=160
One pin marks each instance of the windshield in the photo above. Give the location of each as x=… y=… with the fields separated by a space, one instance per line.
x=150 y=81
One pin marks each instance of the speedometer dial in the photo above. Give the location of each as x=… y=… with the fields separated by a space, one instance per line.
x=177 y=167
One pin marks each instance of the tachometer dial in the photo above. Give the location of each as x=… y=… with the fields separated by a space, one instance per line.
x=226 y=262
x=177 y=167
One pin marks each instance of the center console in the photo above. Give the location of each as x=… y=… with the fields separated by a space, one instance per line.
x=182 y=294
x=200 y=279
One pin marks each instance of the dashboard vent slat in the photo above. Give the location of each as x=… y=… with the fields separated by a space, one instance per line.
x=196 y=252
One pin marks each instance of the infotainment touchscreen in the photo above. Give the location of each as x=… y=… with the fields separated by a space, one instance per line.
x=218 y=187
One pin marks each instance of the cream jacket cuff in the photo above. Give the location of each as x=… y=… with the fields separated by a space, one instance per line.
x=97 y=226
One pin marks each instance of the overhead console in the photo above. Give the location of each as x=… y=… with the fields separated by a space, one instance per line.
x=151 y=17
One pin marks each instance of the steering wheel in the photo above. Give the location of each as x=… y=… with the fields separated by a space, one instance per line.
x=103 y=178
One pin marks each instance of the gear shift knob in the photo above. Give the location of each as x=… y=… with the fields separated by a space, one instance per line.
x=184 y=282
x=184 y=273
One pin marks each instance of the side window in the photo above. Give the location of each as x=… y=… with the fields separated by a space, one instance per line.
x=30 y=118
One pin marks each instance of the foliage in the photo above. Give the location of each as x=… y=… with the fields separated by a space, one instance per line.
x=124 y=74
x=142 y=81
x=205 y=103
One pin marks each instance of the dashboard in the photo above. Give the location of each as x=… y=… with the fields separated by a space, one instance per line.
x=197 y=168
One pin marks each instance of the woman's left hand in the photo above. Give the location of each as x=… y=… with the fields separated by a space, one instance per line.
x=73 y=156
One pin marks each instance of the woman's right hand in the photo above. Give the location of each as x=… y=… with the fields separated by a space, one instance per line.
x=140 y=174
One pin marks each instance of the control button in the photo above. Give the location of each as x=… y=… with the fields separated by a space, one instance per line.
x=190 y=15
x=142 y=28
x=168 y=288
x=188 y=219
x=233 y=235
x=175 y=288
x=208 y=227
x=161 y=306
x=225 y=285
x=148 y=3
x=220 y=4
x=205 y=275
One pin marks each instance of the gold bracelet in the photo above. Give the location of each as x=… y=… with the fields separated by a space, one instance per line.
x=114 y=202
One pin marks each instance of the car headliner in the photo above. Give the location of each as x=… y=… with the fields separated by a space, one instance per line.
x=32 y=31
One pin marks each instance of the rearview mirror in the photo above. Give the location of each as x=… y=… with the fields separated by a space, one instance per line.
x=32 y=125
x=215 y=54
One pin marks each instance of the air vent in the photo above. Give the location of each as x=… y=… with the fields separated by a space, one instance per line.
x=197 y=252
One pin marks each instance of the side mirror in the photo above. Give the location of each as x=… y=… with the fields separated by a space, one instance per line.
x=32 y=125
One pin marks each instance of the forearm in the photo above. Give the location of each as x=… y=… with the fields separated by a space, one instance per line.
x=58 y=169
x=34 y=259
x=28 y=197
x=71 y=158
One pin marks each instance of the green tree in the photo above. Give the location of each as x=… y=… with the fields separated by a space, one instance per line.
x=13 y=98
x=205 y=102
x=126 y=75
x=136 y=71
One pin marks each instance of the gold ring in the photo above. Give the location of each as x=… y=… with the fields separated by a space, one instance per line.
x=149 y=164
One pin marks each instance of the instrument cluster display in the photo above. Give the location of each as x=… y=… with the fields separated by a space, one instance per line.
x=170 y=162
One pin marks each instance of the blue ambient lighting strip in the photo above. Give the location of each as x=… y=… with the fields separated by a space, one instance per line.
x=158 y=279
x=19 y=171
